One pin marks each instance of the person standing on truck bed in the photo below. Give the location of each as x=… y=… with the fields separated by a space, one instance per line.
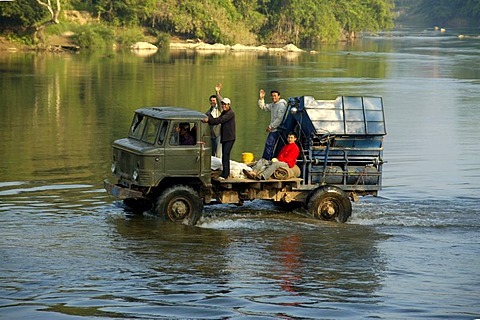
x=227 y=133
x=278 y=107
x=215 y=111
x=287 y=157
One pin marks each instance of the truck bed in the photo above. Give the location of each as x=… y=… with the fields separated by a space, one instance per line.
x=228 y=181
x=237 y=190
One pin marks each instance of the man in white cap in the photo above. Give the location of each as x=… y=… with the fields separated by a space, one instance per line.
x=227 y=120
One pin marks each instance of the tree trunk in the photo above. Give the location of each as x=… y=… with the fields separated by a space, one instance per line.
x=54 y=13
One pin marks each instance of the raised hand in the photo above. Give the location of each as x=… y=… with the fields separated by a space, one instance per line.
x=262 y=94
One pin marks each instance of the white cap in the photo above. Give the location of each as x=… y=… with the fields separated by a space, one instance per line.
x=226 y=100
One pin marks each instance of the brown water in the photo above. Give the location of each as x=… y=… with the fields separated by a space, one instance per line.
x=69 y=251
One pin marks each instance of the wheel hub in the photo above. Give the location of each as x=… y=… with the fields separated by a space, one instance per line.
x=179 y=209
x=328 y=210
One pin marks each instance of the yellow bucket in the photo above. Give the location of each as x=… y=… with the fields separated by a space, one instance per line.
x=247 y=157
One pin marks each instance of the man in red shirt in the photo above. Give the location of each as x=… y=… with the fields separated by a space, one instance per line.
x=287 y=157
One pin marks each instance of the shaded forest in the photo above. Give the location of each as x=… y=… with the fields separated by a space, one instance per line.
x=225 y=21
x=249 y=22
x=446 y=13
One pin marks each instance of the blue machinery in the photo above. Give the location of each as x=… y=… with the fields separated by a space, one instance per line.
x=341 y=140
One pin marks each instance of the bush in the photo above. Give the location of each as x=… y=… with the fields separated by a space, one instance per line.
x=127 y=37
x=162 y=39
x=93 y=36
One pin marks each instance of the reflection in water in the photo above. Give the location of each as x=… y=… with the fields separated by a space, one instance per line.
x=289 y=262
x=282 y=257
x=180 y=249
x=97 y=261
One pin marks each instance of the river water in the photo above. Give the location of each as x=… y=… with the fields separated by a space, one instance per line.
x=69 y=251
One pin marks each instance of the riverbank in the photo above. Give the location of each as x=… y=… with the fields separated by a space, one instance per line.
x=202 y=46
x=6 y=45
x=64 y=43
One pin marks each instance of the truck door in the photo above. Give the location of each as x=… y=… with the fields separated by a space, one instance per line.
x=182 y=151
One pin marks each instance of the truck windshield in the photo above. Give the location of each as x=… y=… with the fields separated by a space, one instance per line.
x=145 y=129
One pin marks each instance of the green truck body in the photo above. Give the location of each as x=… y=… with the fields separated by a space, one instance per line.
x=341 y=145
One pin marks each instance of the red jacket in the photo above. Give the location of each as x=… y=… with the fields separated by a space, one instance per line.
x=289 y=154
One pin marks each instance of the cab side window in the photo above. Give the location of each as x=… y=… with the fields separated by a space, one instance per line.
x=163 y=132
x=182 y=134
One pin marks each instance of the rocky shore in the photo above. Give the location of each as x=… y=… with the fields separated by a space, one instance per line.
x=201 y=46
x=56 y=43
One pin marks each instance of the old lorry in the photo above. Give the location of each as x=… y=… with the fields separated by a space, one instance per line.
x=341 y=143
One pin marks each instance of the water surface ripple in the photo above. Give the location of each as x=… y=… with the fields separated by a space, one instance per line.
x=69 y=251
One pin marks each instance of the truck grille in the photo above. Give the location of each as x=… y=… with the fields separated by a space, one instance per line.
x=125 y=163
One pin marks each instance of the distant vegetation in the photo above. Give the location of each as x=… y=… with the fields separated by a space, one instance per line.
x=249 y=22
x=445 y=13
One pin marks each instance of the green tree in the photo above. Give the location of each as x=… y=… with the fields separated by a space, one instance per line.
x=227 y=21
x=20 y=14
x=209 y=20
x=249 y=12
x=29 y=16
x=472 y=8
x=299 y=22
x=307 y=21
x=119 y=12
x=444 y=11
x=372 y=15
x=54 y=8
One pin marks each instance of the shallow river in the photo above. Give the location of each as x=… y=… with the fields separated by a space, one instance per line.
x=69 y=251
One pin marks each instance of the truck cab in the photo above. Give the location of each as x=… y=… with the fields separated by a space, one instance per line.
x=154 y=148
x=154 y=156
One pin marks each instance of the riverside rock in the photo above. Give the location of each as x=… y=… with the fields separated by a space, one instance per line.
x=143 y=46
x=202 y=46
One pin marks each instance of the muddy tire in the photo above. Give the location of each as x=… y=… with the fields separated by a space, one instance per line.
x=180 y=203
x=330 y=204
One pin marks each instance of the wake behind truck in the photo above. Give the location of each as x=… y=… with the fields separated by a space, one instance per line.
x=341 y=143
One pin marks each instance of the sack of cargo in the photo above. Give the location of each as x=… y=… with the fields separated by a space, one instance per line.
x=285 y=173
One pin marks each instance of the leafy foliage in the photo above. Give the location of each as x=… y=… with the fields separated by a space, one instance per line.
x=226 y=21
x=21 y=14
x=129 y=36
x=94 y=36
x=440 y=11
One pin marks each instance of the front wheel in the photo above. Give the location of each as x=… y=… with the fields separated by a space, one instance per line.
x=180 y=203
x=330 y=203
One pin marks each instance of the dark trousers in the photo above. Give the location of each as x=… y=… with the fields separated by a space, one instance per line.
x=226 y=149
x=270 y=145
x=215 y=143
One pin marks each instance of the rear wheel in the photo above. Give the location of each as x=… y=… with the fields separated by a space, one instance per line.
x=180 y=203
x=330 y=203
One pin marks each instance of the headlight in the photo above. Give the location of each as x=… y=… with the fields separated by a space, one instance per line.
x=135 y=175
x=113 y=167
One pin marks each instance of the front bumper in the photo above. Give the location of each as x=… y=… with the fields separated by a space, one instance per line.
x=121 y=192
